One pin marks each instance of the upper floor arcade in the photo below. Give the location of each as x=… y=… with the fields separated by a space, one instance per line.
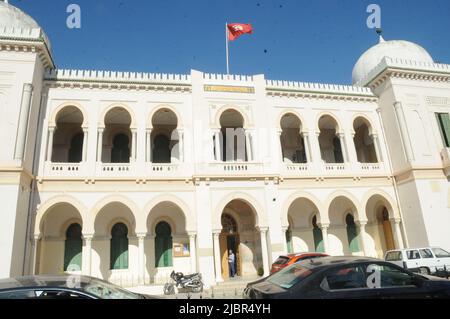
x=218 y=126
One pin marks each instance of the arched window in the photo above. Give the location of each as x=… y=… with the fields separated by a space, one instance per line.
x=161 y=150
x=163 y=245
x=352 y=234
x=317 y=234
x=120 y=152
x=72 y=248
x=76 y=148
x=119 y=246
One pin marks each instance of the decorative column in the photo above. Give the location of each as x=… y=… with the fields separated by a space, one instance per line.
x=217 y=146
x=395 y=222
x=181 y=148
x=34 y=257
x=217 y=261
x=344 y=147
x=193 y=251
x=326 y=245
x=148 y=143
x=133 y=144
x=265 y=255
x=85 y=143
x=87 y=254
x=51 y=133
x=305 y=136
x=22 y=128
x=141 y=259
x=248 y=144
x=363 y=237
x=376 y=144
x=280 y=148
x=404 y=131
x=284 y=231
x=100 y=144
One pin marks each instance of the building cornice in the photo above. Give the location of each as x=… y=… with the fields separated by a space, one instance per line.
x=319 y=91
x=406 y=69
x=27 y=40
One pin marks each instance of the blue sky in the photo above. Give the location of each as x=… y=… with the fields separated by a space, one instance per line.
x=314 y=41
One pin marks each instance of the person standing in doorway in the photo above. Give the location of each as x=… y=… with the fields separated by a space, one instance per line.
x=232 y=263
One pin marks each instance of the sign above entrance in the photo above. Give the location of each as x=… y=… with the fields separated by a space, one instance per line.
x=229 y=89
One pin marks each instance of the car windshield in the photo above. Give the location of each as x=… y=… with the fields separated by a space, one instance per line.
x=440 y=253
x=394 y=256
x=105 y=290
x=290 y=276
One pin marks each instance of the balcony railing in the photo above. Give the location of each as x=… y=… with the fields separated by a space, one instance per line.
x=115 y=170
x=64 y=169
x=231 y=168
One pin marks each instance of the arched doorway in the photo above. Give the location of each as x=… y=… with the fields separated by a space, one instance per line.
x=165 y=140
x=76 y=148
x=68 y=138
x=117 y=137
x=239 y=234
x=73 y=246
x=120 y=152
x=387 y=230
x=318 y=237
x=163 y=245
x=352 y=233
x=291 y=139
x=364 y=143
x=234 y=147
x=330 y=144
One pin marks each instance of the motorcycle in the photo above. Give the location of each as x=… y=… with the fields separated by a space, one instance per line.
x=191 y=282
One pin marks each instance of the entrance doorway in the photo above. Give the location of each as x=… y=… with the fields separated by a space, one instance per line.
x=229 y=240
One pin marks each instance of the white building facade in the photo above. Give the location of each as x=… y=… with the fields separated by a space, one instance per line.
x=128 y=176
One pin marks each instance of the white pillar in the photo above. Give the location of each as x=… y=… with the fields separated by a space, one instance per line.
x=280 y=147
x=376 y=144
x=363 y=237
x=133 y=144
x=404 y=131
x=265 y=254
x=344 y=147
x=148 y=143
x=305 y=136
x=87 y=254
x=34 y=257
x=51 y=133
x=193 y=251
x=249 y=146
x=395 y=222
x=181 y=148
x=217 y=259
x=85 y=143
x=141 y=259
x=100 y=144
x=217 y=146
x=22 y=128
x=324 y=229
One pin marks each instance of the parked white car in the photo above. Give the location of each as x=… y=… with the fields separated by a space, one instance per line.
x=427 y=260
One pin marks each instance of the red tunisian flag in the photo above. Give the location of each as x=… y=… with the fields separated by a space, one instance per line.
x=235 y=30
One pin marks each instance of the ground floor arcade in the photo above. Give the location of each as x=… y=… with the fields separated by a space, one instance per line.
x=124 y=243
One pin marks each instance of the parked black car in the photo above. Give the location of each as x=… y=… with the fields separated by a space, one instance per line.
x=347 y=278
x=62 y=287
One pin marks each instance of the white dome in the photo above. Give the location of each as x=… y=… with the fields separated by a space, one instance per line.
x=10 y=16
x=394 y=49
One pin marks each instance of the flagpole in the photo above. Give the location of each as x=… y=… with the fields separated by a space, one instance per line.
x=226 y=40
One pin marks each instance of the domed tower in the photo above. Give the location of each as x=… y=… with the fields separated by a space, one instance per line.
x=414 y=99
x=24 y=56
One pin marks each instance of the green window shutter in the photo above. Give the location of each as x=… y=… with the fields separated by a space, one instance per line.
x=444 y=123
x=163 y=245
x=290 y=248
x=352 y=234
x=73 y=248
x=318 y=240
x=119 y=247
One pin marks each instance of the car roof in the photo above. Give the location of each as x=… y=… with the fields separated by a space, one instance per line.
x=337 y=261
x=413 y=248
x=42 y=281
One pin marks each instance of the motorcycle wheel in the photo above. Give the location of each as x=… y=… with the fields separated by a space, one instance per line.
x=198 y=287
x=169 y=289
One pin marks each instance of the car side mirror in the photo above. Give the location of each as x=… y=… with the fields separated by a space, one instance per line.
x=417 y=281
